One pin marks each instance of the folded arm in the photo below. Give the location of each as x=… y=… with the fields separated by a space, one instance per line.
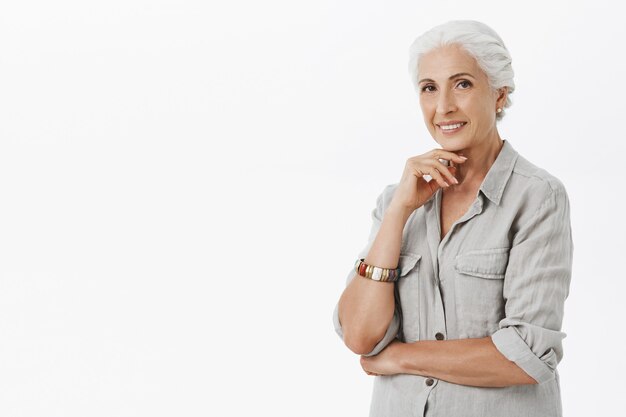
x=528 y=344
x=475 y=362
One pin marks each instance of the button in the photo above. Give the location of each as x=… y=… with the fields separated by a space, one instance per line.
x=430 y=381
x=439 y=336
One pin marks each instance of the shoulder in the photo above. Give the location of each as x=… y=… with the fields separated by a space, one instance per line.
x=537 y=202
x=536 y=182
x=535 y=195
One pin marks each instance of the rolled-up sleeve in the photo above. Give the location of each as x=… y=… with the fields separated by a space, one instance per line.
x=394 y=325
x=536 y=285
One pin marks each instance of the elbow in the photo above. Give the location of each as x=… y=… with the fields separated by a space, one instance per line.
x=545 y=369
x=358 y=343
x=533 y=368
x=364 y=338
x=360 y=338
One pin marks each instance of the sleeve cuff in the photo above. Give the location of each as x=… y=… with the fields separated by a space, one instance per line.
x=515 y=349
x=392 y=332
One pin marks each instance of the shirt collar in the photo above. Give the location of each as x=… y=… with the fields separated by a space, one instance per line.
x=498 y=175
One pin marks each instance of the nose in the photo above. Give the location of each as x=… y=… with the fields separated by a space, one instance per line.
x=446 y=102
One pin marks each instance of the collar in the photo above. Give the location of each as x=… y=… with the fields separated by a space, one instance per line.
x=499 y=173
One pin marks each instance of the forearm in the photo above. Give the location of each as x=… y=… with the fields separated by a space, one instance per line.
x=366 y=306
x=475 y=362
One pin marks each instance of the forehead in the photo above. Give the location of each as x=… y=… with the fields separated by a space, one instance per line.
x=442 y=62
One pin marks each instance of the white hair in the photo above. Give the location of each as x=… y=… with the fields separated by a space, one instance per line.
x=479 y=40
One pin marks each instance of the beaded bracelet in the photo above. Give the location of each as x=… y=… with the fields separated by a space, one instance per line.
x=376 y=273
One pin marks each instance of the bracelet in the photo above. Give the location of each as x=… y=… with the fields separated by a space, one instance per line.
x=376 y=273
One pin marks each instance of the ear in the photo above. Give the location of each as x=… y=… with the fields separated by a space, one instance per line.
x=502 y=94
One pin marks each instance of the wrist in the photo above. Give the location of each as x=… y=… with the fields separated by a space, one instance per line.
x=402 y=355
x=399 y=211
x=406 y=357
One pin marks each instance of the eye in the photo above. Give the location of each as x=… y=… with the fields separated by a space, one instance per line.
x=424 y=88
x=469 y=84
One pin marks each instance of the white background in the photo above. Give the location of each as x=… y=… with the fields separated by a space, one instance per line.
x=185 y=185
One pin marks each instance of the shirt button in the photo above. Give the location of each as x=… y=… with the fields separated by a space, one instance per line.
x=430 y=381
x=439 y=336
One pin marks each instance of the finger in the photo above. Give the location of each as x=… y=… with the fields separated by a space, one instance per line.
x=448 y=155
x=438 y=177
x=446 y=172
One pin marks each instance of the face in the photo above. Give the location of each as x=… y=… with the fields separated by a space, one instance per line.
x=447 y=97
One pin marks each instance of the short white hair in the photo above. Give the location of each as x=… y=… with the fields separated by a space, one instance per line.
x=479 y=40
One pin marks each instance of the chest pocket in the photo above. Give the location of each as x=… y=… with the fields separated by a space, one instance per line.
x=478 y=290
x=407 y=295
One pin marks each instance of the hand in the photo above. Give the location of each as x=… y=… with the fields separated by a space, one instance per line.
x=413 y=190
x=386 y=362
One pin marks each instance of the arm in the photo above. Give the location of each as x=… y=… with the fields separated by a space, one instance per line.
x=536 y=285
x=474 y=362
x=527 y=347
x=366 y=316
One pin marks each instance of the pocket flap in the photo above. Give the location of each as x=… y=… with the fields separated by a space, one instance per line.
x=407 y=262
x=483 y=263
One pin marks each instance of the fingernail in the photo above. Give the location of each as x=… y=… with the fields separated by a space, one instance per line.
x=446 y=183
x=455 y=180
x=464 y=157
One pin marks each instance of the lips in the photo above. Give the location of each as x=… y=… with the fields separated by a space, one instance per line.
x=452 y=131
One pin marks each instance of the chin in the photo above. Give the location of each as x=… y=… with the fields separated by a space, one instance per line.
x=452 y=144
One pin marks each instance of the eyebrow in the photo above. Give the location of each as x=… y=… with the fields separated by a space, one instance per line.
x=450 y=78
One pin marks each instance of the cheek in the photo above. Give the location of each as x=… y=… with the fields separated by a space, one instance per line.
x=481 y=106
x=428 y=111
x=477 y=111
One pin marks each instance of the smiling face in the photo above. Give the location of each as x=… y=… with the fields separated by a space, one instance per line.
x=453 y=88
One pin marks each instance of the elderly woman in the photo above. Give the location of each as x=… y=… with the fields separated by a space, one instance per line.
x=456 y=302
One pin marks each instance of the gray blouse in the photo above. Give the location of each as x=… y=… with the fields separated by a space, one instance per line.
x=503 y=270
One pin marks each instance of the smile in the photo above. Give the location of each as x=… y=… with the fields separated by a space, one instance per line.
x=450 y=129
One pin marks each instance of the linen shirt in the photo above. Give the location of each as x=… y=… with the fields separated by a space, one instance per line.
x=502 y=270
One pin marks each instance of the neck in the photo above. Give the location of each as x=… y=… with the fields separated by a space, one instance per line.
x=472 y=172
